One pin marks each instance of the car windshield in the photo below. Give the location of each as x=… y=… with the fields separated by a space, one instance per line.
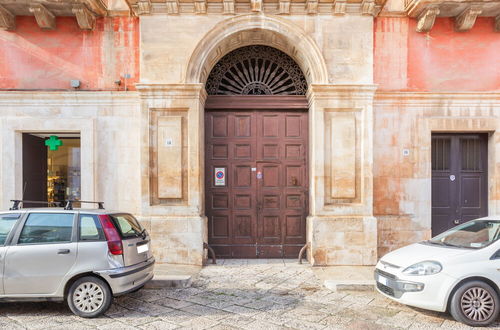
x=474 y=234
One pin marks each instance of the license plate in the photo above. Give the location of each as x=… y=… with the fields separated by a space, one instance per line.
x=142 y=248
x=382 y=280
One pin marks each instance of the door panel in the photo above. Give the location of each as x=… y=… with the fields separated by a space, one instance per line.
x=260 y=209
x=45 y=251
x=459 y=179
x=34 y=169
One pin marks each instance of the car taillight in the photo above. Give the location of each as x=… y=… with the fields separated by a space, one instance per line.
x=114 y=240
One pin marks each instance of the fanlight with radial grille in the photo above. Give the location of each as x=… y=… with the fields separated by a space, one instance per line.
x=256 y=70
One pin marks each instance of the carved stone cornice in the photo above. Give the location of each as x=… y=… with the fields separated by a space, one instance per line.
x=284 y=7
x=7 y=19
x=426 y=19
x=84 y=17
x=46 y=11
x=465 y=21
x=312 y=7
x=172 y=7
x=142 y=7
x=200 y=6
x=228 y=7
x=271 y=7
x=256 y=5
x=368 y=8
x=44 y=18
x=465 y=12
x=339 y=7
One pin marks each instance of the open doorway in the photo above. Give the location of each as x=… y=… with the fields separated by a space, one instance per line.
x=51 y=167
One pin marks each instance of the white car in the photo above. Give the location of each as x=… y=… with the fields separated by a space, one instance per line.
x=457 y=271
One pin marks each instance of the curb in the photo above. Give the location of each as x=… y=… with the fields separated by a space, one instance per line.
x=169 y=281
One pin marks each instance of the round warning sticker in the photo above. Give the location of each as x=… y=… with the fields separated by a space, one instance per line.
x=220 y=176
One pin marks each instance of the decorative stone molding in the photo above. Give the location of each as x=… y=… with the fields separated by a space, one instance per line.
x=7 y=19
x=45 y=12
x=142 y=7
x=368 y=7
x=426 y=19
x=465 y=21
x=200 y=6
x=256 y=5
x=284 y=7
x=273 y=7
x=84 y=17
x=172 y=7
x=464 y=12
x=312 y=7
x=228 y=7
x=44 y=18
x=250 y=29
x=339 y=7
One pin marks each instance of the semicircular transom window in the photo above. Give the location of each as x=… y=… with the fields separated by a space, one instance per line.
x=256 y=70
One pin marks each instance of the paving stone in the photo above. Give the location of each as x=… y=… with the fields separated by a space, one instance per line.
x=238 y=294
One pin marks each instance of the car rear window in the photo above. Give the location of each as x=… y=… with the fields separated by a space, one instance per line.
x=7 y=221
x=90 y=228
x=127 y=225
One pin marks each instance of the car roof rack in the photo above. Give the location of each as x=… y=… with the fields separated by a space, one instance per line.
x=16 y=202
x=68 y=204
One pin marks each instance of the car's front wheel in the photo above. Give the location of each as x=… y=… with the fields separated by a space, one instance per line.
x=89 y=297
x=475 y=303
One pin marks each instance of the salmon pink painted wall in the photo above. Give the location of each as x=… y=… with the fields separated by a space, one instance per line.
x=31 y=58
x=441 y=60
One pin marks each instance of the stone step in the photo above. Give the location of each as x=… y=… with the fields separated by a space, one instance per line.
x=169 y=281
x=350 y=285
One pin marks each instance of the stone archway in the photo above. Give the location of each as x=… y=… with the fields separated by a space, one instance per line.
x=256 y=30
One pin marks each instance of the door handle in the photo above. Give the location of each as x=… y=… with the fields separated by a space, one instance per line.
x=63 y=251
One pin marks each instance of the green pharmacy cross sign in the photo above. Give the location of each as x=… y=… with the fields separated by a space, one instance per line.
x=53 y=142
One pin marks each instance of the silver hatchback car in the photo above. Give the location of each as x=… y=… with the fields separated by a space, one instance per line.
x=83 y=257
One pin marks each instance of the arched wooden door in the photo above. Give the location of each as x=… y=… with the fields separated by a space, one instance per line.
x=256 y=164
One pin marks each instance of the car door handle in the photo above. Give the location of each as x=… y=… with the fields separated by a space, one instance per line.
x=63 y=251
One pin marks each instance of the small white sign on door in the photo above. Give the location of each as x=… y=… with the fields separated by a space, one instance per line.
x=220 y=176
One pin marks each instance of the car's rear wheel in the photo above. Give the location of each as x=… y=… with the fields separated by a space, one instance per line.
x=89 y=297
x=475 y=303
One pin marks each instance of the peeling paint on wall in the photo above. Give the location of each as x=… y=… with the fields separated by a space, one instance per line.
x=31 y=58
x=441 y=60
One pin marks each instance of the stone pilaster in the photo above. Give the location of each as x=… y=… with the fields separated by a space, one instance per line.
x=341 y=228
x=172 y=170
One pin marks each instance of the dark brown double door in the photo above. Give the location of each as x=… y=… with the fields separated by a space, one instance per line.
x=459 y=179
x=256 y=182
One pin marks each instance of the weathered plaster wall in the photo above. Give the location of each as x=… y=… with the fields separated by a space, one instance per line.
x=31 y=58
x=441 y=60
x=402 y=184
x=346 y=43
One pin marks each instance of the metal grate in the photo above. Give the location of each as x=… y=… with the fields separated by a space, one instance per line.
x=441 y=154
x=471 y=154
x=385 y=289
x=256 y=70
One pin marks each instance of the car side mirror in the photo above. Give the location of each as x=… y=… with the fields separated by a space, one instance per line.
x=495 y=255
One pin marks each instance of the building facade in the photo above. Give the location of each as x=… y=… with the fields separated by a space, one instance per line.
x=259 y=127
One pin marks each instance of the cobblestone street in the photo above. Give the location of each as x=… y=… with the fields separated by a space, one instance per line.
x=246 y=294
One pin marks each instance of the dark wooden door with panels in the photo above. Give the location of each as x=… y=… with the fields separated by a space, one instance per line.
x=459 y=179
x=256 y=179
